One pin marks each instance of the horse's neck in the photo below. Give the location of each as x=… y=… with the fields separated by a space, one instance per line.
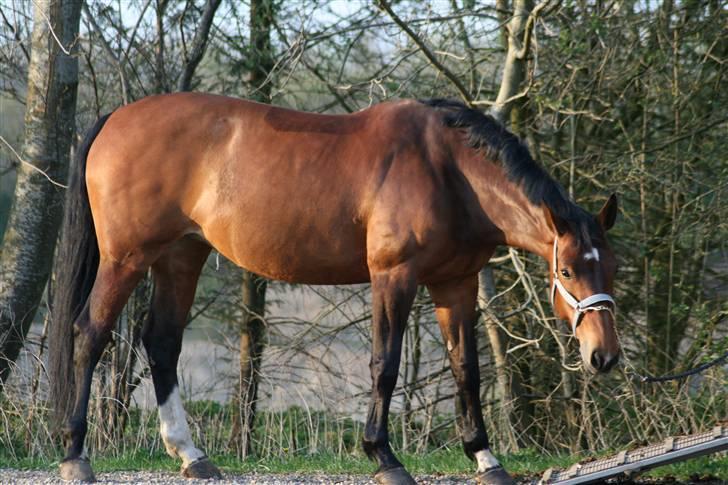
x=524 y=225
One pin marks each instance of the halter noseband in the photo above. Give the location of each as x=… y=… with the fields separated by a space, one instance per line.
x=580 y=307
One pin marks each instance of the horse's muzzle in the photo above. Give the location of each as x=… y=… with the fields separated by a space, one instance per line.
x=602 y=362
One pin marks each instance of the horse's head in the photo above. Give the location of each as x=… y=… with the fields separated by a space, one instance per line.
x=583 y=267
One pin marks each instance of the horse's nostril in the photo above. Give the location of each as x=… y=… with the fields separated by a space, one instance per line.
x=611 y=363
x=597 y=361
x=603 y=362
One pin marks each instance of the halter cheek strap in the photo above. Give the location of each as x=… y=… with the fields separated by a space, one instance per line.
x=594 y=302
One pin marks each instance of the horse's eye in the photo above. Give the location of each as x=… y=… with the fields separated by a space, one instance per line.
x=565 y=273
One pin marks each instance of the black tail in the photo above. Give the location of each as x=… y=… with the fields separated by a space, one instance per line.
x=76 y=263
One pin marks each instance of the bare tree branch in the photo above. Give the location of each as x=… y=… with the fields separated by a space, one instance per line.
x=427 y=52
x=519 y=29
x=110 y=52
x=199 y=44
x=16 y=35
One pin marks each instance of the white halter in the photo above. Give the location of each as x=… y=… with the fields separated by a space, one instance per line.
x=580 y=307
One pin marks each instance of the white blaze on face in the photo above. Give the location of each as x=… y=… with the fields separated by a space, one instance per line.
x=593 y=254
x=485 y=460
x=175 y=431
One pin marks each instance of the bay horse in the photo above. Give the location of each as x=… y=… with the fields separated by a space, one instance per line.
x=401 y=194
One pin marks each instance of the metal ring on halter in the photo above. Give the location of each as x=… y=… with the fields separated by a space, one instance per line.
x=580 y=306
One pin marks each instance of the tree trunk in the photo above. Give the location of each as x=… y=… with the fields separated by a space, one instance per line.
x=252 y=343
x=252 y=337
x=29 y=241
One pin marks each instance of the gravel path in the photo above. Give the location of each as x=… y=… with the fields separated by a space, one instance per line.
x=33 y=477
x=28 y=477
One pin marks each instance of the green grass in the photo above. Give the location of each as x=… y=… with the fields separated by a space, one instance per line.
x=446 y=461
x=707 y=466
x=293 y=441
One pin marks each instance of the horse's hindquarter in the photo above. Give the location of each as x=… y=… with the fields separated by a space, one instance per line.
x=278 y=192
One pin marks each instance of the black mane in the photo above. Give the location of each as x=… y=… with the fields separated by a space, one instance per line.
x=485 y=133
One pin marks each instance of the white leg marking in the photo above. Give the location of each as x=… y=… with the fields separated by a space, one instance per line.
x=175 y=431
x=486 y=460
x=593 y=254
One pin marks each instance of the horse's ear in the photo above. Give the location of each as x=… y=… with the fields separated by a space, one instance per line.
x=557 y=222
x=608 y=214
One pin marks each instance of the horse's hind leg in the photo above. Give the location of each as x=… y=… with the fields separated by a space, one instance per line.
x=456 y=314
x=175 y=278
x=112 y=287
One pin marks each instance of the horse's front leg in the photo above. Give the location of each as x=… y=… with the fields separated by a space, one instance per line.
x=456 y=313
x=392 y=295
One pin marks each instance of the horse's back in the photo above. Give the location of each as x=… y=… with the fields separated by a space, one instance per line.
x=283 y=193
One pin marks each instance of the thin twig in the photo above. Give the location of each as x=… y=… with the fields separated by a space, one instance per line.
x=24 y=162
x=515 y=97
x=53 y=32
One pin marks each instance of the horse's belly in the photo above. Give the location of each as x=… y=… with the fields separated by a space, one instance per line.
x=296 y=252
x=336 y=269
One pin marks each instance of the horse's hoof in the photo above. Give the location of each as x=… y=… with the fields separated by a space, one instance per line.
x=494 y=476
x=202 y=468
x=394 y=476
x=77 y=469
